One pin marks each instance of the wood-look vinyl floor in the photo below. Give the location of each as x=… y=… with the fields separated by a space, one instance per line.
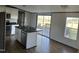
x=44 y=45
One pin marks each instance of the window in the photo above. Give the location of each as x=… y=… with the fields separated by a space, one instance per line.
x=71 y=27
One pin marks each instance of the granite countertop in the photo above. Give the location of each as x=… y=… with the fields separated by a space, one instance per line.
x=26 y=29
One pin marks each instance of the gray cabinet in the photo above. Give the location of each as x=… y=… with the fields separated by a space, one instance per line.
x=2 y=30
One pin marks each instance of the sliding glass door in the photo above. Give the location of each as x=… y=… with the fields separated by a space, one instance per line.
x=43 y=23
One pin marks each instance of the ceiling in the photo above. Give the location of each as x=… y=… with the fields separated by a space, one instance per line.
x=49 y=8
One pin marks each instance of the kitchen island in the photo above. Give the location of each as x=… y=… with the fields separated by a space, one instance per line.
x=27 y=36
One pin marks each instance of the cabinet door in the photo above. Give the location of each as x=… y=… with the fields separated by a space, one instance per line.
x=19 y=35
x=16 y=33
x=31 y=40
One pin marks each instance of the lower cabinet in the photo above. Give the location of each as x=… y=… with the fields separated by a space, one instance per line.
x=27 y=39
x=18 y=34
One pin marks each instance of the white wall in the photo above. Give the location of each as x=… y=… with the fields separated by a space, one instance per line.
x=12 y=11
x=58 y=27
x=14 y=14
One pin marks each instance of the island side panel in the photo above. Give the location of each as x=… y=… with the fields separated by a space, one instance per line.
x=31 y=40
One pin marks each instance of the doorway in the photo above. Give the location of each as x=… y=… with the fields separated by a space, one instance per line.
x=43 y=23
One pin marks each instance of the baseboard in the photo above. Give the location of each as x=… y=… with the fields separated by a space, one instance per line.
x=64 y=44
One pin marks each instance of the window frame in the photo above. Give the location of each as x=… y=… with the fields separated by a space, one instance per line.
x=65 y=35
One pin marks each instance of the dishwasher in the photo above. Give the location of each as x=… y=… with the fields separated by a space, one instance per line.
x=23 y=38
